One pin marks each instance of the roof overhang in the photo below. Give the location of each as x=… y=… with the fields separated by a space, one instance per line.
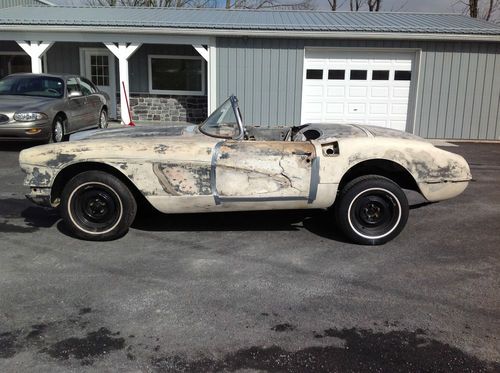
x=75 y=33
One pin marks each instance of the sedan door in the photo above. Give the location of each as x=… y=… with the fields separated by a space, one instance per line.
x=93 y=103
x=76 y=106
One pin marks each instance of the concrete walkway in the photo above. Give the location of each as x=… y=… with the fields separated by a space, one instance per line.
x=145 y=123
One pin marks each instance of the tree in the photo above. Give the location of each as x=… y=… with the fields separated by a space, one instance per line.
x=229 y=4
x=357 y=5
x=484 y=9
x=333 y=4
x=374 y=5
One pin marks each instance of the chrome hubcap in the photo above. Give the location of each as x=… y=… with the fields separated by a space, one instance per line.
x=104 y=122
x=58 y=132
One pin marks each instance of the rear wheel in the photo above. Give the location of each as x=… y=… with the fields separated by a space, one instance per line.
x=97 y=206
x=103 y=119
x=371 y=210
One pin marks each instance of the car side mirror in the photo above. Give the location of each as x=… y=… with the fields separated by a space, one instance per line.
x=74 y=94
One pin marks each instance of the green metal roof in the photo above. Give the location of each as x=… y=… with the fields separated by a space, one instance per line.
x=252 y=20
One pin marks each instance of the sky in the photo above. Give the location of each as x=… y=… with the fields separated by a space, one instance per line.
x=440 y=6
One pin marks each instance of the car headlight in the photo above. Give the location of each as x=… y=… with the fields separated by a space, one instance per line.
x=29 y=117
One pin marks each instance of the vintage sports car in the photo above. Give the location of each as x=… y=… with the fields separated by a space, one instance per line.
x=358 y=171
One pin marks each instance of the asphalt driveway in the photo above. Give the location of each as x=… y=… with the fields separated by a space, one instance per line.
x=280 y=291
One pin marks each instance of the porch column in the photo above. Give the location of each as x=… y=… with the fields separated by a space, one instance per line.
x=123 y=51
x=35 y=50
x=206 y=56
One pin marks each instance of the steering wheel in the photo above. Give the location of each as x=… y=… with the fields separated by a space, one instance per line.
x=54 y=91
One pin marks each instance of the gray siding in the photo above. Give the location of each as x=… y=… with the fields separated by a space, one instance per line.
x=63 y=57
x=10 y=46
x=458 y=83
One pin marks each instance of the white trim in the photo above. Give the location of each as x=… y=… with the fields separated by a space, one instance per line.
x=46 y=2
x=382 y=235
x=202 y=51
x=123 y=51
x=204 y=34
x=212 y=80
x=202 y=92
x=35 y=49
x=71 y=215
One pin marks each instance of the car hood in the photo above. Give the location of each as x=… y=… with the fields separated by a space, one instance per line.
x=136 y=132
x=15 y=103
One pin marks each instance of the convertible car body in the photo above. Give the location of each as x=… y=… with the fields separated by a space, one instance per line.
x=358 y=171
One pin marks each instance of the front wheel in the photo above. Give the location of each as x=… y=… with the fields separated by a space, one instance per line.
x=97 y=206
x=371 y=210
x=57 y=134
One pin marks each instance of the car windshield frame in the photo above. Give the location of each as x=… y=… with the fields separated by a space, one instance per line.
x=220 y=113
x=18 y=79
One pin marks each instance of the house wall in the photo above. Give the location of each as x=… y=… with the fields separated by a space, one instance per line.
x=457 y=97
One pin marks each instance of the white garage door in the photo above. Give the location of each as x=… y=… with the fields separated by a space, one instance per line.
x=357 y=87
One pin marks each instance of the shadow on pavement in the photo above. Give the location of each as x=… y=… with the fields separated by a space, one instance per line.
x=14 y=146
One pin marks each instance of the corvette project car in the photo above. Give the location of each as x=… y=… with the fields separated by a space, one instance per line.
x=358 y=171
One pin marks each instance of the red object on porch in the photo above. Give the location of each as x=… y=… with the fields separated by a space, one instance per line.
x=131 y=123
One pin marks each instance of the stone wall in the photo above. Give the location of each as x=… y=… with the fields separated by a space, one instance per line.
x=166 y=108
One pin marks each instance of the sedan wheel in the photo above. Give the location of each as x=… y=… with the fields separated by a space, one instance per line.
x=97 y=206
x=103 y=119
x=57 y=134
x=372 y=210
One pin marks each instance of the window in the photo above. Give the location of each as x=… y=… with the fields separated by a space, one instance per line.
x=358 y=75
x=99 y=69
x=86 y=87
x=72 y=85
x=315 y=74
x=380 y=75
x=184 y=75
x=28 y=85
x=402 y=75
x=336 y=74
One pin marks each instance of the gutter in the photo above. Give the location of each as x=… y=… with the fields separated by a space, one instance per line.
x=144 y=30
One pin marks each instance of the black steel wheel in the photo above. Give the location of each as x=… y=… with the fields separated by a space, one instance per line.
x=371 y=210
x=96 y=205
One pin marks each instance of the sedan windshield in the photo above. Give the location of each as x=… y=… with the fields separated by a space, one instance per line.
x=39 y=86
x=222 y=122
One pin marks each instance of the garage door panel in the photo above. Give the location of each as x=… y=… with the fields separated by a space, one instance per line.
x=357 y=91
x=335 y=92
x=358 y=95
x=315 y=91
x=401 y=92
x=379 y=92
x=399 y=109
x=335 y=108
x=379 y=109
x=356 y=108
